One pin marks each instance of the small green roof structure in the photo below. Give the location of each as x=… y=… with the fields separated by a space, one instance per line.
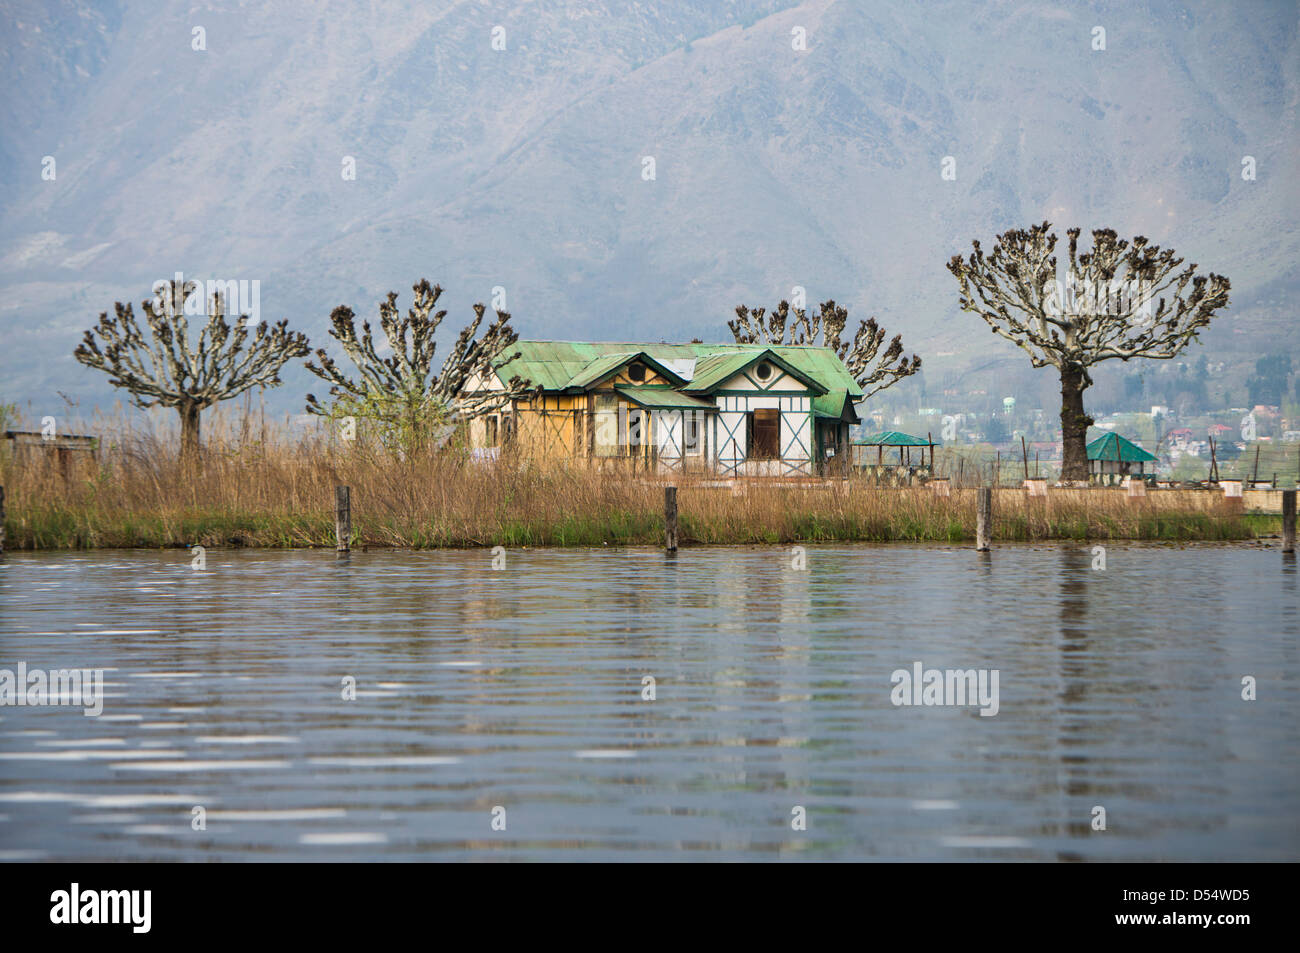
x=893 y=438
x=1111 y=457
x=1116 y=449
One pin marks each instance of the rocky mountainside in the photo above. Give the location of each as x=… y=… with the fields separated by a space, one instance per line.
x=525 y=168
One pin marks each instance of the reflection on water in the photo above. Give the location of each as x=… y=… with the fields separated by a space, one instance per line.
x=523 y=689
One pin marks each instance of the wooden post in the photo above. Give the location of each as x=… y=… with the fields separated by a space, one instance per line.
x=670 y=518
x=342 y=518
x=1255 y=473
x=1024 y=454
x=1288 y=521
x=983 y=518
x=2 y=521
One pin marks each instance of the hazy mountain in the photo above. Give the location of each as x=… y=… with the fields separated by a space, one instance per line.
x=523 y=168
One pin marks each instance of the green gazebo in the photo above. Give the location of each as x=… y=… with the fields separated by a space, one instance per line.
x=904 y=442
x=1112 y=457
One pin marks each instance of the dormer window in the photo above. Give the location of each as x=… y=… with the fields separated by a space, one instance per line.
x=764 y=370
x=636 y=372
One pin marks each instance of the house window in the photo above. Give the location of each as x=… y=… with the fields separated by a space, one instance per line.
x=764 y=428
x=605 y=426
x=764 y=370
x=691 y=432
x=490 y=430
x=636 y=372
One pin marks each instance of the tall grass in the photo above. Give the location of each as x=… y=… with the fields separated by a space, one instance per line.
x=260 y=487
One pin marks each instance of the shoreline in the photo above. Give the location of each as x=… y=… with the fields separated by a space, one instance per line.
x=283 y=495
x=69 y=531
x=1264 y=542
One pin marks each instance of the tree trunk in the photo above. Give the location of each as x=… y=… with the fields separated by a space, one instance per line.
x=189 y=433
x=1074 y=424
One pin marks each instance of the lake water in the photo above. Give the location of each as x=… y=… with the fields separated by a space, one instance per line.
x=522 y=689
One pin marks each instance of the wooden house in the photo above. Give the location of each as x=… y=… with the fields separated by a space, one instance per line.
x=731 y=409
x=33 y=448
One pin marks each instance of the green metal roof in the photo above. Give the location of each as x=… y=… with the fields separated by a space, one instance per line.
x=1116 y=449
x=716 y=369
x=607 y=364
x=554 y=365
x=822 y=408
x=601 y=366
x=663 y=398
x=894 y=438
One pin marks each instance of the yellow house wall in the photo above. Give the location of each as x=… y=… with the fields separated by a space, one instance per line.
x=551 y=426
x=557 y=425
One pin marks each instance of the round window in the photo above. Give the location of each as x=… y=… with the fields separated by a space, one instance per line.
x=764 y=370
x=636 y=371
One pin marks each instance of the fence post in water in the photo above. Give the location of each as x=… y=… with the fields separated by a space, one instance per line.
x=342 y=518
x=2 y=521
x=983 y=519
x=670 y=518
x=1288 y=520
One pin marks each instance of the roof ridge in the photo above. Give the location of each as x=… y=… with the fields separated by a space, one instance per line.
x=645 y=344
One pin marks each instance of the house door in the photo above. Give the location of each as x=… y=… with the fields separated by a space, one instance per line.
x=830 y=452
x=764 y=434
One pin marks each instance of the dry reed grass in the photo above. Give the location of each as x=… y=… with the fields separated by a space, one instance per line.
x=270 y=487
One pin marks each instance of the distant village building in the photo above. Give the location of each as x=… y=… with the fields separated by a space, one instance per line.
x=732 y=409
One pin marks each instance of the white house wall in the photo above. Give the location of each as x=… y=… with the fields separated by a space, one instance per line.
x=796 y=434
x=729 y=433
x=669 y=431
x=476 y=382
x=748 y=380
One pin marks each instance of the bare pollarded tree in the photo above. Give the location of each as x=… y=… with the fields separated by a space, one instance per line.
x=402 y=392
x=872 y=370
x=165 y=369
x=1121 y=300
